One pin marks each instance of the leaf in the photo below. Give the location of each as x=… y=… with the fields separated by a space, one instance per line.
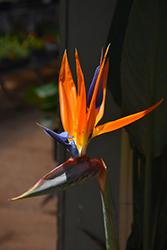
x=44 y=97
x=160 y=225
x=116 y=38
x=49 y=89
x=135 y=240
x=144 y=74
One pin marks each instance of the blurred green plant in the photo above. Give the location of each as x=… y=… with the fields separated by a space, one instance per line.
x=18 y=46
x=13 y=47
x=44 y=97
x=21 y=45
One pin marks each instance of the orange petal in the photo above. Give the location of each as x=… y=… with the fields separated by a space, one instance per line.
x=67 y=95
x=91 y=114
x=90 y=121
x=111 y=126
x=81 y=100
x=65 y=110
x=98 y=79
x=100 y=111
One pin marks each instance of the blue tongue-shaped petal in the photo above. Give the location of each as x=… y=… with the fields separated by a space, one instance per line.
x=72 y=148
x=100 y=90
x=62 y=138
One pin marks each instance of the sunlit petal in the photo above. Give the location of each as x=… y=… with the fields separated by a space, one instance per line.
x=81 y=102
x=91 y=114
x=100 y=111
x=111 y=126
x=67 y=96
x=93 y=99
x=91 y=118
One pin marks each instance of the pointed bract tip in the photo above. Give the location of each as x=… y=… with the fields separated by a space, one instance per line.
x=65 y=53
x=102 y=177
x=40 y=125
x=101 y=57
x=103 y=162
x=76 y=53
x=16 y=198
x=107 y=49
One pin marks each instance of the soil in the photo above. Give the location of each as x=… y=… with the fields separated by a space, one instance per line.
x=25 y=156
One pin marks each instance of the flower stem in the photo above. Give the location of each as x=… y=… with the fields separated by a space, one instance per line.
x=147 y=205
x=109 y=213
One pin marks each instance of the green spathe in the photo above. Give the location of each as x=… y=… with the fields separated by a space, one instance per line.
x=69 y=174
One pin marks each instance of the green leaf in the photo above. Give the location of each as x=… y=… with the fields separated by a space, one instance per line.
x=116 y=38
x=144 y=74
x=160 y=225
x=44 y=97
x=49 y=89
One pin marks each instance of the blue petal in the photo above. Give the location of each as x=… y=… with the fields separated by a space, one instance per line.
x=72 y=148
x=100 y=90
x=64 y=134
x=62 y=138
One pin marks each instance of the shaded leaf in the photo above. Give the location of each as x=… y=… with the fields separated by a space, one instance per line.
x=116 y=38
x=144 y=74
x=160 y=226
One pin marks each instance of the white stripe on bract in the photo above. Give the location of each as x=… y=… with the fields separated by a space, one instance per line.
x=51 y=183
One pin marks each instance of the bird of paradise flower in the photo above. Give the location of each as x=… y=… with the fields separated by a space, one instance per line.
x=80 y=118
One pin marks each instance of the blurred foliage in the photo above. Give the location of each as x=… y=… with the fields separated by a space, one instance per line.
x=19 y=46
x=22 y=44
x=44 y=97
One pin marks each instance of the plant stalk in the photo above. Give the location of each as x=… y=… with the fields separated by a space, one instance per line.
x=150 y=138
x=147 y=205
x=109 y=213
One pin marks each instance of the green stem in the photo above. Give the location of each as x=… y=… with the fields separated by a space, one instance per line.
x=109 y=213
x=147 y=205
x=150 y=138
